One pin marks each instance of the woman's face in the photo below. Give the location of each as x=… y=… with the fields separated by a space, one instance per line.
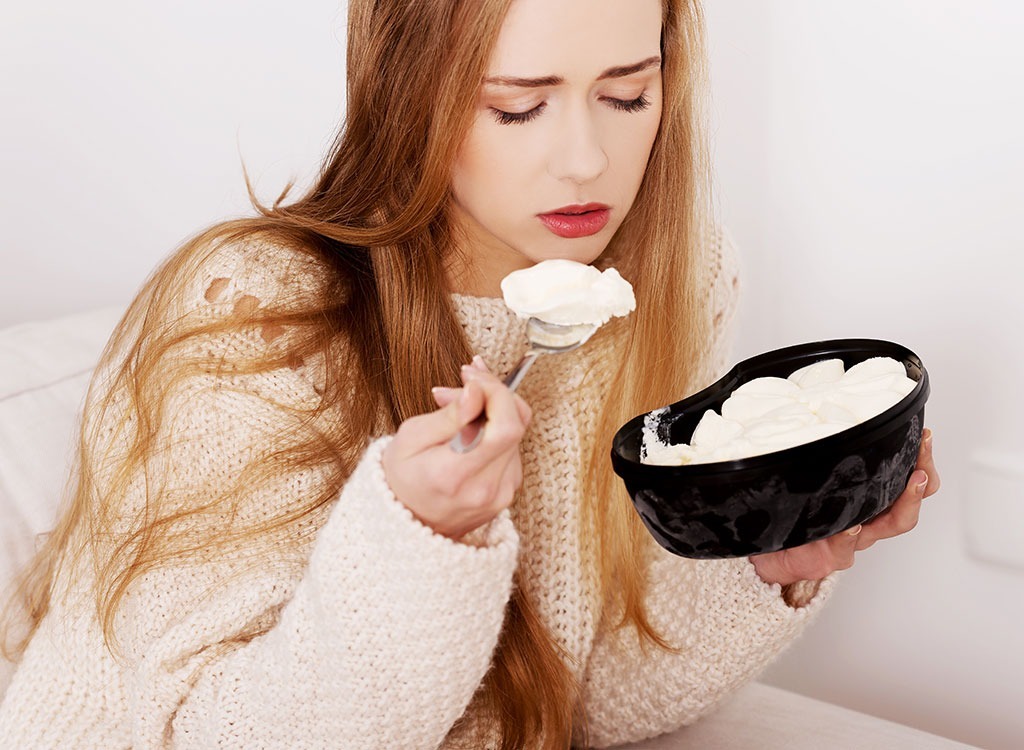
x=565 y=121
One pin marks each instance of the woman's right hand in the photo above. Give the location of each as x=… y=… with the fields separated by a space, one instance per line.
x=454 y=493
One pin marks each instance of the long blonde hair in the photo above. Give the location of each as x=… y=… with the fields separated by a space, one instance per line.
x=374 y=228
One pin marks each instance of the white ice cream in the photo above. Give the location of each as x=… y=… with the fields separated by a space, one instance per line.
x=770 y=414
x=568 y=293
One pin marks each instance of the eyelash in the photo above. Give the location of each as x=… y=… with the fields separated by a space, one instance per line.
x=519 y=118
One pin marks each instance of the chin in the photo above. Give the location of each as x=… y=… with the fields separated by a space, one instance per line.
x=584 y=250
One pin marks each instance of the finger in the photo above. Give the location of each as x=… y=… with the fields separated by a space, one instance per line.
x=491 y=385
x=497 y=482
x=444 y=396
x=491 y=489
x=901 y=517
x=471 y=433
x=505 y=423
x=423 y=431
x=926 y=462
x=470 y=404
x=808 y=562
x=525 y=413
x=481 y=375
x=843 y=546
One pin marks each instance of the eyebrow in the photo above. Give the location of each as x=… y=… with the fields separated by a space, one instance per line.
x=617 y=72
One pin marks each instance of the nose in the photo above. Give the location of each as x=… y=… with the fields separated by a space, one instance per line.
x=578 y=154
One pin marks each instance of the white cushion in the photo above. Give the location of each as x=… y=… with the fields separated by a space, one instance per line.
x=44 y=373
x=769 y=718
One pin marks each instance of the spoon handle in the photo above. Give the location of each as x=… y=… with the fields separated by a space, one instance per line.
x=469 y=436
x=514 y=378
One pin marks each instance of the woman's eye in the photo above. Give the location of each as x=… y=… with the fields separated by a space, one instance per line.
x=630 y=105
x=639 y=104
x=517 y=118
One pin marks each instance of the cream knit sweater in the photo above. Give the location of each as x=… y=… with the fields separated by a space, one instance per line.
x=379 y=631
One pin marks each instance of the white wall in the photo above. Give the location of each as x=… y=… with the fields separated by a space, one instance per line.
x=124 y=128
x=869 y=161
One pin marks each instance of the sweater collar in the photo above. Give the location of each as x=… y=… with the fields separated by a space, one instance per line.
x=494 y=332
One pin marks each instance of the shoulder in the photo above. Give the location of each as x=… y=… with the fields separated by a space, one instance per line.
x=225 y=307
x=721 y=290
x=232 y=275
x=232 y=287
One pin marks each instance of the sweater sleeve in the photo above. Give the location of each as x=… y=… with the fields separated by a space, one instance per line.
x=350 y=625
x=381 y=642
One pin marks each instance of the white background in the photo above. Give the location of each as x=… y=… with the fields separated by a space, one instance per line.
x=869 y=160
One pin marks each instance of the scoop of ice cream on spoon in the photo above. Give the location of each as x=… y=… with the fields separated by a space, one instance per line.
x=564 y=302
x=567 y=293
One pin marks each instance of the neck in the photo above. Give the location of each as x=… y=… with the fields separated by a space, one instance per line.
x=479 y=261
x=471 y=281
x=476 y=276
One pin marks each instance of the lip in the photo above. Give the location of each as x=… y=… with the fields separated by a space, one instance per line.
x=580 y=220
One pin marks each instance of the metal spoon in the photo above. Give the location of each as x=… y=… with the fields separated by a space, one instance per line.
x=544 y=338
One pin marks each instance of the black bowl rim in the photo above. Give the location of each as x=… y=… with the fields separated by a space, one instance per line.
x=847 y=440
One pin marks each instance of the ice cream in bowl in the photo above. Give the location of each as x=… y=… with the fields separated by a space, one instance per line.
x=789 y=447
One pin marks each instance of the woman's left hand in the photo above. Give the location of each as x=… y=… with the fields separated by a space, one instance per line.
x=814 y=561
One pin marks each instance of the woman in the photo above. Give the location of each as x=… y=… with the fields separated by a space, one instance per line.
x=270 y=543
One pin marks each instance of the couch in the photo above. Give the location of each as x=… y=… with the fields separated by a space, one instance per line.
x=44 y=372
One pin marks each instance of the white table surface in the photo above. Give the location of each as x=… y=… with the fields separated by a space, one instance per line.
x=762 y=717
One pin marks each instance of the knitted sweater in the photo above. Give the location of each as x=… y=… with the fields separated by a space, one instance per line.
x=375 y=632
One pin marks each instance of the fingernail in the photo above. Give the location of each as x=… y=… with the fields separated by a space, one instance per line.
x=855 y=530
x=440 y=390
x=928 y=439
x=469 y=372
x=920 y=481
x=478 y=363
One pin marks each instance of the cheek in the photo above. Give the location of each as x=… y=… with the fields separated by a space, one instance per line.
x=473 y=182
x=647 y=133
x=489 y=170
x=632 y=144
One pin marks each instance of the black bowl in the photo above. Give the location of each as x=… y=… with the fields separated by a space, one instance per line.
x=783 y=499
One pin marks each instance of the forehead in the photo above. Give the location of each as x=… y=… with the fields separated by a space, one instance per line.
x=575 y=39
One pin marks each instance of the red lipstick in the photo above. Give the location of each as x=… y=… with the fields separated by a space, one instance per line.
x=577 y=221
